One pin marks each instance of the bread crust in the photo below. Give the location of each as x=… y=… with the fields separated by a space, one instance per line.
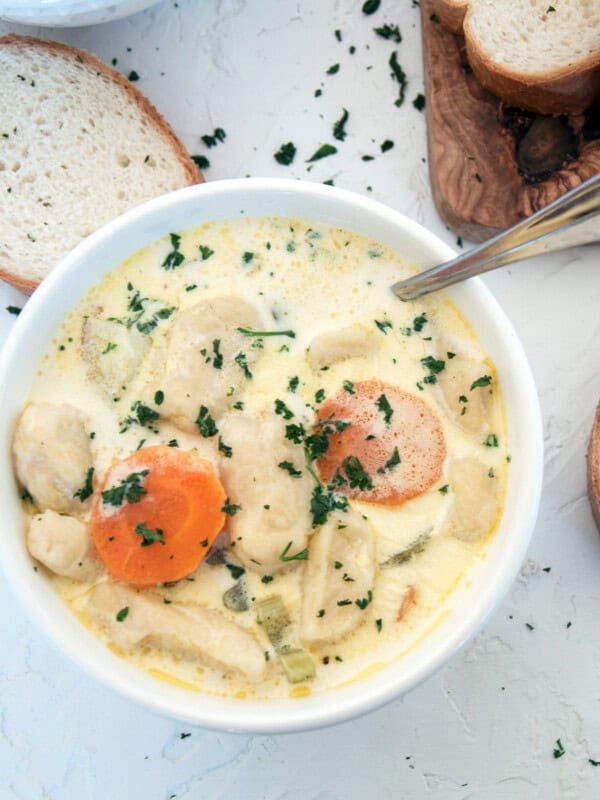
x=593 y=468
x=192 y=174
x=451 y=13
x=570 y=90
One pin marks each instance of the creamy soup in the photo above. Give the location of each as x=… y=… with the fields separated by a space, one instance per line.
x=252 y=471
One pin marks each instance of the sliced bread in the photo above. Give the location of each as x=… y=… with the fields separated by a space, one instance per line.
x=450 y=13
x=78 y=146
x=594 y=469
x=530 y=53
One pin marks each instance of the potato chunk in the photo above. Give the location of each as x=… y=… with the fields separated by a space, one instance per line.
x=113 y=352
x=62 y=544
x=52 y=455
x=187 y=631
x=201 y=367
x=340 y=568
x=476 y=505
x=275 y=506
x=353 y=341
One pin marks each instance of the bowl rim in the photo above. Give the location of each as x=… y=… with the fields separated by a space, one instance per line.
x=251 y=716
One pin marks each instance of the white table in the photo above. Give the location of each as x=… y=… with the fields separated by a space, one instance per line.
x=485 y=726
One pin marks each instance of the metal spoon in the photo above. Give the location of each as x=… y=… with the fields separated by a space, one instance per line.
x=571 y=220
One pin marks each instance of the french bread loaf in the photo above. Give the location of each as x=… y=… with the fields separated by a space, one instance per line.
x=530 y=53
x=78 y=146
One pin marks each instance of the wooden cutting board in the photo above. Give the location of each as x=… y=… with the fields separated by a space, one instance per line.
x=472 y=140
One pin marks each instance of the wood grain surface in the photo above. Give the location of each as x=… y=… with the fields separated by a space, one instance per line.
x=475 y=181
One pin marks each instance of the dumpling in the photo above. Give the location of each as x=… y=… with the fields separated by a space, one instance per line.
x=338 y=579
x=208 y=359
x=53 y=457
x=469 y=407
x=186 y=631
x=62 y=544
x=275 y=504
x=353 y=341
x=476 y=504
x=113 y=352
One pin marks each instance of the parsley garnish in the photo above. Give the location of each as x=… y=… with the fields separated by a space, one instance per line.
x=201 y=161
x=339 y=127
x=324 y=501
x=419 y=322
x=247 y=257
x=293 y=383
x=283 y=410
x=285 y=154
x=434 y=18
x=290 y=468
x=133 y=76
x=122 y=614
x=491 y=440
x=321 y=613
x=392 y=462
x=319 y=395
x=399 y=75
x=142 y=415
x=322 y=152
x=301 y=556
x=386 y=145
x=362 y=603
x=379 y=624
x=266 y=579
x=217 y=361
x=383 y=405
x=370 y=6
x=212 y=141
x=236 y=571
x=391 y=32
x=174 y=258
x=14 y=310
x=148 y=535
x=242 y=363
x=87 y=489
x=559 y=750
x=383 y=325
x=333 y=69
x=129 y=489
x=348 y=387
x=250 y=332
x=356 y=474
x=223 y=448
x=206 y=424
x=205 y=251
x=434 y=366
x=230 y=509
x=159 y=396
x=485 y=380
x=344 y=602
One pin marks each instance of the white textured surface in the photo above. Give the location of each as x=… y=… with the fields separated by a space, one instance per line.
x=486 y=726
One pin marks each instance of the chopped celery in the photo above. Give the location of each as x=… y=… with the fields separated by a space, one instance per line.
x=272 y=614
x=417 y=546
x=298 y=665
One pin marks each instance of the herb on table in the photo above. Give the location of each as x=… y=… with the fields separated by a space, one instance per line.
x=419 y=102
x=322 y=152
x=398 y=75
x=319 y=396
x=206 y=424
x=201 y=161
x=250 y=332
x=434 y=366
x=370 y=6
x=87 y=489
x=122 y=614
x=333 y=69
x=15 y=310
x=225 y=449
x=242 y=363
x=384 y=406
x=339 y=127
x=559 y=750
x=290 y=468
x=285 y=155
x=485 y=380
x=391 y=32
x=175 y=257
x=283 y=410
x=230 y=509
x=386 y=145
x=301 y=556
x=129 y=489
x=133 y=76
x=491 y=440
x=213 y=140
x=593 y=762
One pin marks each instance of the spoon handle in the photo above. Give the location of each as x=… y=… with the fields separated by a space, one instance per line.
x=558 y=225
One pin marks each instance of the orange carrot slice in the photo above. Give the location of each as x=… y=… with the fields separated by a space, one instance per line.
x=157 y=515
x=392 y=450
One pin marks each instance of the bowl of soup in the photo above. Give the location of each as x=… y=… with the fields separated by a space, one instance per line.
x=244 y=484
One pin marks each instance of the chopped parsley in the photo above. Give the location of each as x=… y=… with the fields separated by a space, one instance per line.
x=491 y=440
x=109 y=347
x=392 y=462
x=266 y=579
x=133 y=76
x=344 y=602
x=379 y=624
x=348 y=387
x=419 y=102
x=201 y=161
x=434 y=366
x=301 y=556
x=236 y=571
x=122 y=614
x=384 y=406
x=214 y=139
x=15 y=310
x=485 y=380
x=230 y=509
x=242 y=363
x=283 y=410
x=333 y=69
x=290 y=468
x=293 y=383
x=434 y=18
x=363 y=602
x=250 y=332
x=370 y=6
x=383 y=325
x=285 y=155
x=205 y=252
x=419 y=322
x=443 y=489
x=129 y=489
x=339 y=127
x=206 y=424
x=559 y=750
x=356 y=474
x=322 y=152
x=323 y=502
x=175 y=257
x=319 y=396
x=148 y=535
x=321 y=613
x=247 y=257
x=225 y=449
x=217 y=361
x=87 y=489
x=159 y=396
x=391 y=32
x=386 y=145
x=399 y=75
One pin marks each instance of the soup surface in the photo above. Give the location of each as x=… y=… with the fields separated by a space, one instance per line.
x=250 y=469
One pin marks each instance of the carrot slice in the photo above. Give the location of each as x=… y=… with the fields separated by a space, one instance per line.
x=157 y=515
x=392 y=450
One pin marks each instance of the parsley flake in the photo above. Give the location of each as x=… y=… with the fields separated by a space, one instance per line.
x=322 y=152
x=175 y=257
x=301 y=556
x=148 y=535
x=87 y=489
x=285 y=155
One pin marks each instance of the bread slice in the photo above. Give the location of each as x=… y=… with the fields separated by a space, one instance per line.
x=78 y=145
x=535 y=55
x=451 y=13
x=593 y=470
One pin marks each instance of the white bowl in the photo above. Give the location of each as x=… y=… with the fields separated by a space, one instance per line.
x=70 y=13
x=469 y=606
